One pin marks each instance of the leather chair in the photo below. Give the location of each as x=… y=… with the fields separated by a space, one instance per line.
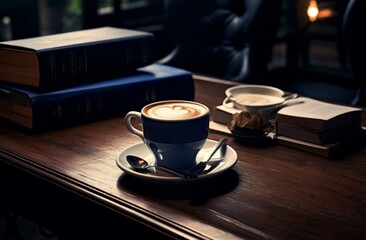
x=355 y=45
x=333 y=87
x=228 y=39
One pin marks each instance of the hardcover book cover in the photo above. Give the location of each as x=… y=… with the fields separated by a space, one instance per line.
x=72 y=58
x=223 y=114
x=41 y=111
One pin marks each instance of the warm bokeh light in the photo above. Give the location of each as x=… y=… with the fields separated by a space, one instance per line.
x=313 y=10
x=326 y=13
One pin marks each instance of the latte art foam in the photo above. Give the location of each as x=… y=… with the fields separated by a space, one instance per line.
x=175 y=110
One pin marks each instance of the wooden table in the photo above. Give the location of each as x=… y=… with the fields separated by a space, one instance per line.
x=271 y=193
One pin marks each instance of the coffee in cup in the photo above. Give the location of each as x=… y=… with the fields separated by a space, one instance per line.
x=174 y=130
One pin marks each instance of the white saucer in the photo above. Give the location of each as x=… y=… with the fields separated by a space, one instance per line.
x=152 y=175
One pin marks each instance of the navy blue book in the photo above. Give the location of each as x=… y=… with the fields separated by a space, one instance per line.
x=42 y=111
x=78 y=57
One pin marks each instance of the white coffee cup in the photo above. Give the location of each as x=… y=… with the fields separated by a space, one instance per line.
x=252 y=98
x=174 y=130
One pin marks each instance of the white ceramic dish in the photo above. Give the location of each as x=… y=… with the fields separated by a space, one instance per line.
x=253 y=98
x=152 y=175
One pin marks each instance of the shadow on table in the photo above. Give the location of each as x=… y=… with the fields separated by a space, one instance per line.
x=197 y=192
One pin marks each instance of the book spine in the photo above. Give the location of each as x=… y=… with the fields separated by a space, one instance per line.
x=221 y=117
x=68 y=109
x=323 y=137
x=89 y=63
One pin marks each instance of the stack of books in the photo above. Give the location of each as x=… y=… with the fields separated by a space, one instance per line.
x=320 y=127
x=65 y=79
x=314 y=126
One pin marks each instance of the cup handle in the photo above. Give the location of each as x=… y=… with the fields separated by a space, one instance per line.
x=128 y=118
x=227 y=100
